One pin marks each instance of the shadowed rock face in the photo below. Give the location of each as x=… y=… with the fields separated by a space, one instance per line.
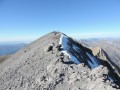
x=44 y=66
x=110 y=46
x=106 y=61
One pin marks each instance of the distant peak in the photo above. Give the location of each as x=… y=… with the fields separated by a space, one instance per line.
x=97 y=50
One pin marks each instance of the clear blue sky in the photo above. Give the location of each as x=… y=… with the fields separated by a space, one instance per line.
x=30 y=19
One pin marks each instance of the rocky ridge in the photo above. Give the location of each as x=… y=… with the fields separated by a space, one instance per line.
x=54 y=62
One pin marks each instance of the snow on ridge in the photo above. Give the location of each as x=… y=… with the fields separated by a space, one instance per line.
x=93 y=64
x=65 y=48
x=76 y=48
x=66 y=53
x=64 y=41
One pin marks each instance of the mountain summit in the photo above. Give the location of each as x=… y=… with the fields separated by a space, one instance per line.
x=56 y=62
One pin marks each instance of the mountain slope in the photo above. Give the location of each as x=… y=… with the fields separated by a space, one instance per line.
x=54 y=62
x=3 y=58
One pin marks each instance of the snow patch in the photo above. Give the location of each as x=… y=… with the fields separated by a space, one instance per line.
x=64 y=41
x=110 y=78
x=94 y=63
x=66 y=53
x=74 y=59
x=76 y=48
x=65 y=49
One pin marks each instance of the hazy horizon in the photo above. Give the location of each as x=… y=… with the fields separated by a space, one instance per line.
x=29 y=41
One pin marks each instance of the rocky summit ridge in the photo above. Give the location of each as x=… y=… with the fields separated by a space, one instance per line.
x=56 y=62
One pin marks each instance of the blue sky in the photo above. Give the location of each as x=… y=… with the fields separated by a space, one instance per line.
x=22 y=20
